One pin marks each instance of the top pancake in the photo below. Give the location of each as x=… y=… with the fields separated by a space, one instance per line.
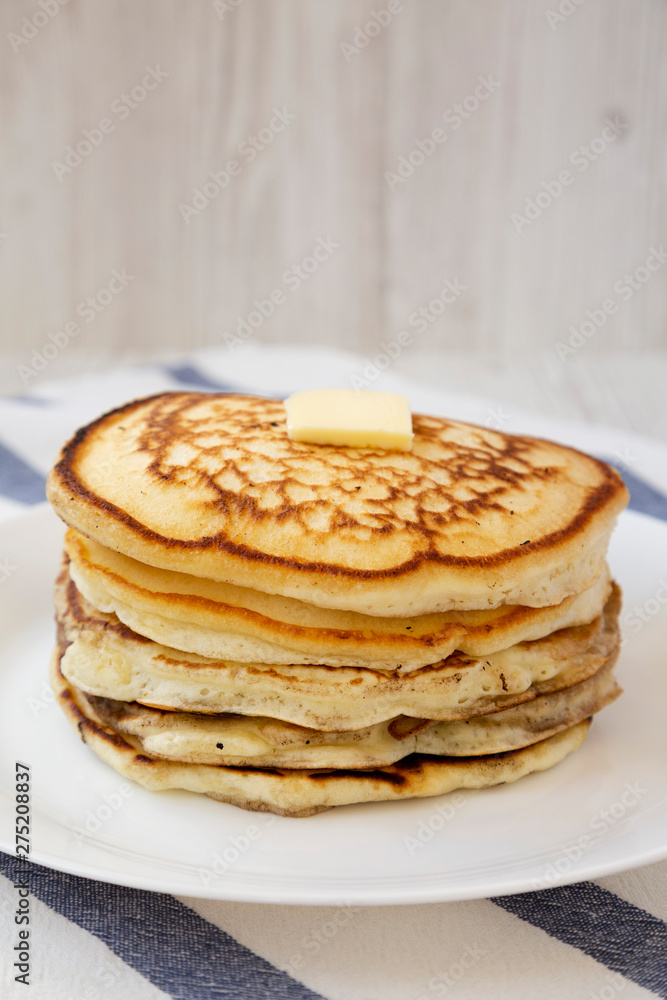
x=210 y=484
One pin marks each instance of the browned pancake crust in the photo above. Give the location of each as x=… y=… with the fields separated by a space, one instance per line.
x=415 y=775
x=424 y=640
x=580 y=650
x=395 y=514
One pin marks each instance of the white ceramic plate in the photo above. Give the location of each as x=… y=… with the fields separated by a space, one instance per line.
x=603 y=810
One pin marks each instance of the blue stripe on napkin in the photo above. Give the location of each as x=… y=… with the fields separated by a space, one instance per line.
x=170 y=945
x=189 y=375
x=617 y=934
x=643 y=497
x=18 y=480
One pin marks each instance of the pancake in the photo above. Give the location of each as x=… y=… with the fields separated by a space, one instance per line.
x=306 y=792
x=289 y=627
x=105 y=658
x=210 y=485
x=238 y=740
x=222 y=621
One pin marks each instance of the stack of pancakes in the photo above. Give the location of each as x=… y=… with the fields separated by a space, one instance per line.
x=289 y=626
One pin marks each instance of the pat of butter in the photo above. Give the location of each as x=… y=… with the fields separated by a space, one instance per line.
x=350 y=417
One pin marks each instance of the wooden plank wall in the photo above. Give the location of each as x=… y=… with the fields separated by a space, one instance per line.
x=362 y=93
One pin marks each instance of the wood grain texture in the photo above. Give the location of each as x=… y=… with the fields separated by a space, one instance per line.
x=323 y=176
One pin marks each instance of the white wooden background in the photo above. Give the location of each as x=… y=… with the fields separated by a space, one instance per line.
x=324 y=174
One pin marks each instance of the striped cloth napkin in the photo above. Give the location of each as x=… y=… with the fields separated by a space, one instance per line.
x=93 y=941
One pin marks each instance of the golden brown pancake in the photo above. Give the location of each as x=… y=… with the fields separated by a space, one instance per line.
x=107 y=659
x=223 y=621
x=210 y=485
x=304 y=792
x=241 y=740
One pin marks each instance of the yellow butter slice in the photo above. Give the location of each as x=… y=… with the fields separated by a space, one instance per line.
x=350 y=417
